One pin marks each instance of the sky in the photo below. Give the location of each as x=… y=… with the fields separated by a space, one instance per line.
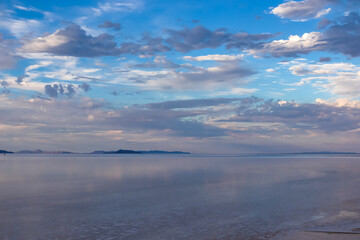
x=201 y=76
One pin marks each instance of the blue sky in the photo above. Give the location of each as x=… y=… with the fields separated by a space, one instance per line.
x=199 y=76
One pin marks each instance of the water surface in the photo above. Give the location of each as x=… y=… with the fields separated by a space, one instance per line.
x=175 y=196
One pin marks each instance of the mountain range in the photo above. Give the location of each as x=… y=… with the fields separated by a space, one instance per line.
x=120 y=151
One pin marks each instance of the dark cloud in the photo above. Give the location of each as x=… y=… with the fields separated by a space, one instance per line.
x=59 y=89
x=165 y=120
x=20 y=79
x=299 y=117
x=108 y=24
x=323 y=23
x=84 y=86
x=341 y=36
x=184 y=76
x=196 y=38
x=115 y=93
x=4 y=84
x=195 y=21
x=70 y=90
x=325 y=59
x=200 y=37
x=194 y=103
x=226 y=73
x=252 y=121
x=245 y=40
x=150 y=45
x=73 y=41
x=344 y=36
x=52 y=90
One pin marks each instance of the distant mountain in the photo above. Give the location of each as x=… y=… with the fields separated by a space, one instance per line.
x=120 y=151
x=4 y=151
x=163 y=152
x=39 y=151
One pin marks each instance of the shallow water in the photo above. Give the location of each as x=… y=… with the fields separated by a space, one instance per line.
x=175 y=196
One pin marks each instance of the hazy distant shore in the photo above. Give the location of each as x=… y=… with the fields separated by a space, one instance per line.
x=120 y=151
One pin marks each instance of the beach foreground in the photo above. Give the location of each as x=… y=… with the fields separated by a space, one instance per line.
x=178 y=197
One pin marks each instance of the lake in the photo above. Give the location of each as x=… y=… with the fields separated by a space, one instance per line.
x=177 y=196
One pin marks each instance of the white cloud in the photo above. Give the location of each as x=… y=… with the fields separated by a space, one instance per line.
x=236 y=91
x=338 y=78
x=291 y=47
x=49 y=69
x=42 y=44
x=19 y=28
x=214 y=57
x=302 y=10
x=118 y=6
x=340 y=102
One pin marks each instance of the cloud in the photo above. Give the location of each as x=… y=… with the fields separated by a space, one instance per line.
x=325 y=59
x=4 y=84
x=341 y=36
x=108 y=24
x=73 y=41
x=92 y=116
x=323 y=23
x=158 y=62
x=20 y=28
x=199 y=37
x=170 y=121
x=340 y=102
x=292 y=47
x=84 y=86
x=195 y=103
x=47 y=69
x=21 y=78
x=344 y=36
x=223 y=74
x=303 y=10
x=338 y=78
x=226 y=73
x=296 y=117
x=8 y=57
x=55 y=90
x=209 y=122
x=213 y=57
x=52 y=91
x=118 y=6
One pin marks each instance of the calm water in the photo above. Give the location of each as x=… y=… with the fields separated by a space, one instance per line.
x=175 y=196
